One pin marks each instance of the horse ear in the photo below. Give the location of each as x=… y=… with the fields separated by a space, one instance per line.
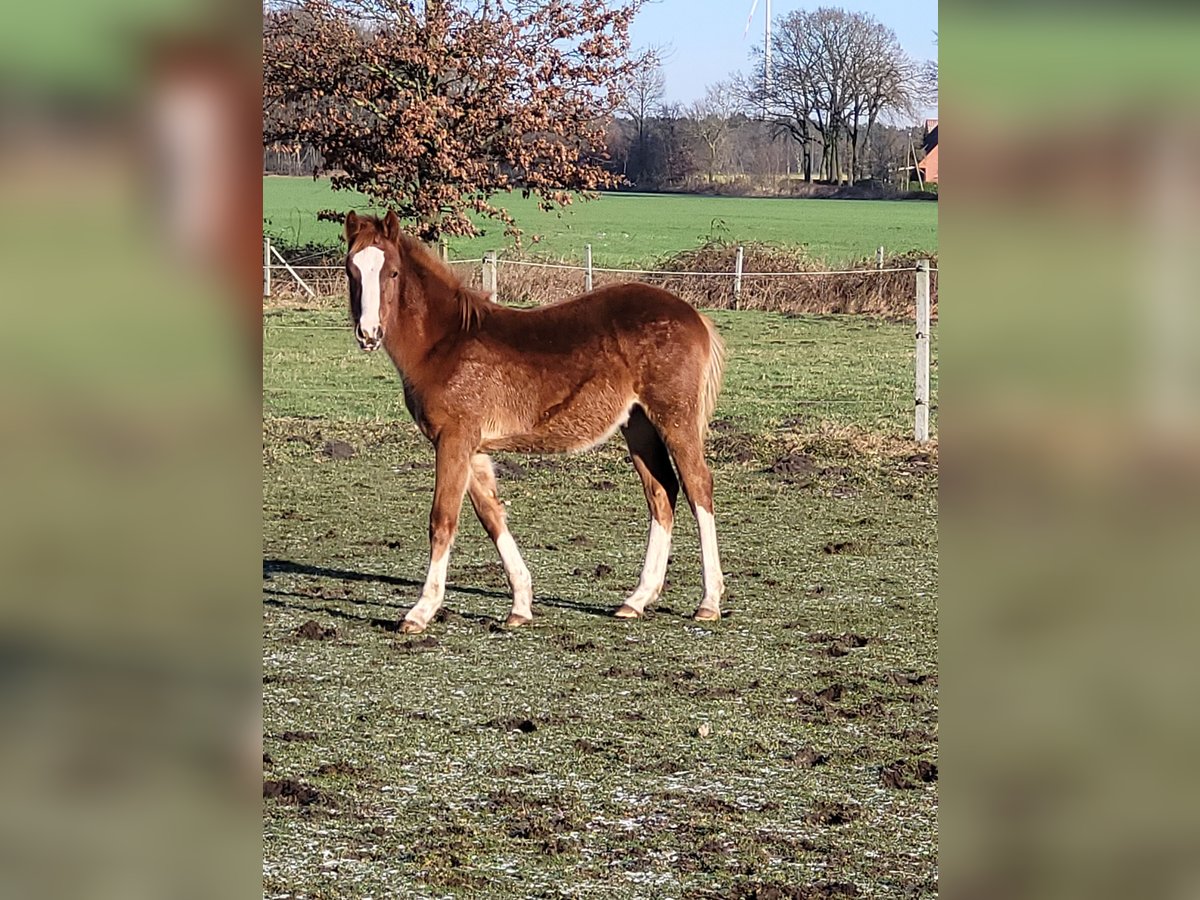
x=352 y=226
x=391 y=226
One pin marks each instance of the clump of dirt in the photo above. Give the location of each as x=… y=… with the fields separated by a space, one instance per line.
x=809 y=758
x=832 y=814
x=293 y=736
x=603 y=569
x=906 y=679
x=837 y=645
x=798 y=465
x=338 y=450
x=417 y=645
x=572 y=644
x=289 y=790
x=515 y=723
x=508 y=470
x=831 y=694
x=627 y=672
x=904 y=775
x=314 y=631
x=823 y=890
x=837 y=547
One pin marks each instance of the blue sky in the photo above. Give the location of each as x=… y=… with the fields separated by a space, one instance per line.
x=706 y=35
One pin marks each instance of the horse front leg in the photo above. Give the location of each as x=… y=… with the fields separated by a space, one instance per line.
x=486 y=499
x=453 y=473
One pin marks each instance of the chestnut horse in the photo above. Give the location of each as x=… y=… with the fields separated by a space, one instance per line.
x=479 y=377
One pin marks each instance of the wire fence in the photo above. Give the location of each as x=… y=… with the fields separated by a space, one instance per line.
x=916 y=283
x=538 y=280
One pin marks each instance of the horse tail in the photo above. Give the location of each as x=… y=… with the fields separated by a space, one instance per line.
x=713 y=374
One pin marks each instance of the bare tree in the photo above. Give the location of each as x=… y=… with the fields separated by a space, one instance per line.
x=644 y=89
x=834 y=75
x=711 y=119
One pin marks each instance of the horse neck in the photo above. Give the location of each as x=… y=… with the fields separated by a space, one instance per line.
x=429 y=311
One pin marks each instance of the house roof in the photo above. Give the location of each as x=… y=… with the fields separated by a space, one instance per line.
x=930 y=141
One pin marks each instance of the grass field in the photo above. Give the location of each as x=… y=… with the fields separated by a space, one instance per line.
x=788 y=751
x=640 y=229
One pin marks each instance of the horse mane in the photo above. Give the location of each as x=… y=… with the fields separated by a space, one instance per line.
x=472 y=305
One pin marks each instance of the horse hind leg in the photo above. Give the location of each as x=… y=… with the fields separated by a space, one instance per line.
x=486 y=499
x=653 y=465
x=687 y=450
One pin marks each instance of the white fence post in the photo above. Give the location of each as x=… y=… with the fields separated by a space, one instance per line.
x=737 y=277
x=921 y=424
x=267 y=266
x=489 y=274
x=300 y=281
x=587 y=270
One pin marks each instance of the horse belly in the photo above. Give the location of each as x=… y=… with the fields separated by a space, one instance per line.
x=567 y=428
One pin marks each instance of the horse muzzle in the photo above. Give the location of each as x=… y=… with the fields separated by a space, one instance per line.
x=368 y=340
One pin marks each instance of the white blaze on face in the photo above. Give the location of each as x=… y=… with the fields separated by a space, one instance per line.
x=369 y=262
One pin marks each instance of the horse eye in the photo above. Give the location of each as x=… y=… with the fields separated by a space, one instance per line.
x=395 y=274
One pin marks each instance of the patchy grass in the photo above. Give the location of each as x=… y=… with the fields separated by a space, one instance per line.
x=640 y=229
x=788 y=751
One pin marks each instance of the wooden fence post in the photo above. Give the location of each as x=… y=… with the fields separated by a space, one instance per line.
x=879 y=279
x=737 y=277
x=267 y=266
x=587 y=267
x=489 y=274
x=921 y=424
x=443 y=250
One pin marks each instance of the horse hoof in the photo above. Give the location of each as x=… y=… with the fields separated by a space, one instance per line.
x=515 y=621
x=408 y=626
x=705 y=614
x=625 y=611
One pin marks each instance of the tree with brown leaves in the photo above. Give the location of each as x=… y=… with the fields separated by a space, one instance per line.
x=433 y=109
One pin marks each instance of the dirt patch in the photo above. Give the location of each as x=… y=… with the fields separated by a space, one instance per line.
x=289 y=737
x=417 y=645
x=906 y=774
x=572 y=644
x=508 y=470
x=514 y=723
x=834 y=548
x=799 y=467
x=603 y=569
x=289 y=790
x=823 y=890
x=338 y=450
x=314 y=631
x=832 y=814
x=604 y=485
x=809 y=758
x=831 y=694
x=907 y=679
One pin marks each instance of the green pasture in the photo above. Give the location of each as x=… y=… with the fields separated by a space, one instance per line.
x=789 y=750
x=639 y=229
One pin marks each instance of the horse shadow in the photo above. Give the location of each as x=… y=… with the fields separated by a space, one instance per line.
x=273 y=567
